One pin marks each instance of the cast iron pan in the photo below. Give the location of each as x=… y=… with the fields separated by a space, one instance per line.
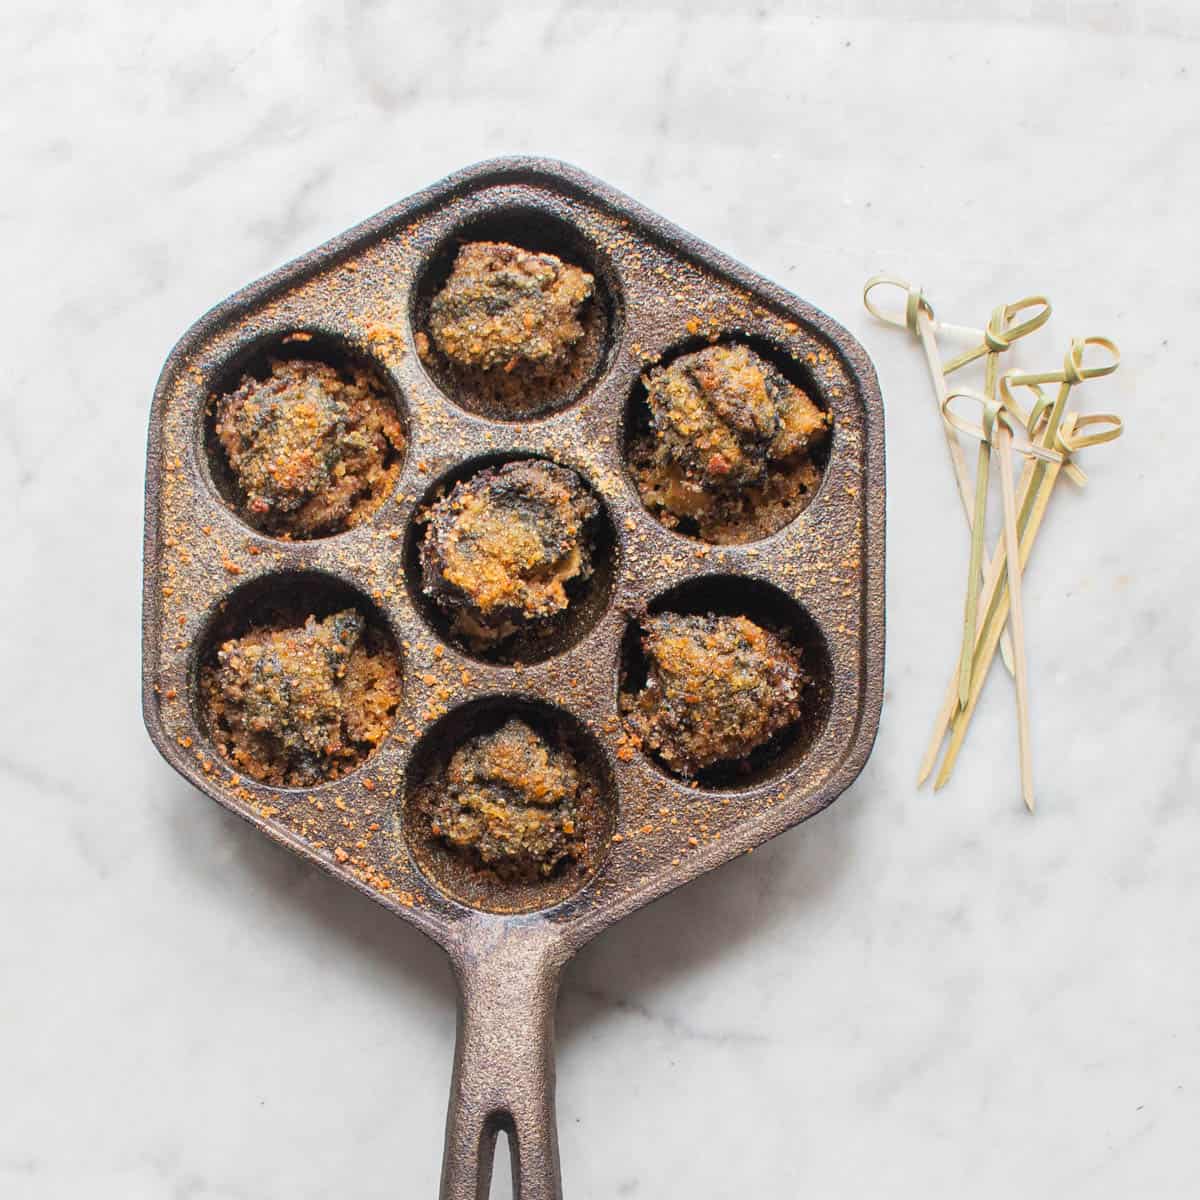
x=820 y=579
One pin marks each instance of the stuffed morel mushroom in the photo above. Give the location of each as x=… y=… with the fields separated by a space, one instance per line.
x=506 y=550
x=717 y=688
x=311 y=449
x=294 y=706
x=507 y=799
x=732 y=449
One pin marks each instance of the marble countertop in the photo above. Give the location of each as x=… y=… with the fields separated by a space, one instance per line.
x=915 y=994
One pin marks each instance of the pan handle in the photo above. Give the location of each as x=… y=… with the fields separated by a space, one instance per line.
x=504 y=1067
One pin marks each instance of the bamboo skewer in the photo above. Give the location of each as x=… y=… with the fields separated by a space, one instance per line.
x=1001 y=332
x=996 y=430
x=992 y=341
x=1032 y=419
x=1069 y=442
x=1004 y=445
x=1031 y=509
x=967 y=649
x=1028 y=520
x=919 y=320
x=993 y=613
x=1037 y=482
x=997 y=337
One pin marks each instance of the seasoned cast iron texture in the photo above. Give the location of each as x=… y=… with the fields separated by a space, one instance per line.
x=661 y=291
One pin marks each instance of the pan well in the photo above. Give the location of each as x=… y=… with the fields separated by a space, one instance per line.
x=332 y=360
x=289 y=649
x=778 y=614
x=520 y=392
x=589 y=596
x=459 y=871
x=790 y=489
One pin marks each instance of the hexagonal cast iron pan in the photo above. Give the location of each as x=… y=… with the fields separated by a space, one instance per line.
x=660 y=290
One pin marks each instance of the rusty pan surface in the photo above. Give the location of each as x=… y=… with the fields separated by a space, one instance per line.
x=659 y=291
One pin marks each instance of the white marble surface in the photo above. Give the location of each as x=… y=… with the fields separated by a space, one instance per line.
x=911 y=996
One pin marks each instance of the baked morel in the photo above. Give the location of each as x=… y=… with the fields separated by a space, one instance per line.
x=502 y=306
x=311 y=449
x=717 y=688
x=729 y=452
x=507 y=800
x=506 y=549
x=293 y=706
x=512 y=333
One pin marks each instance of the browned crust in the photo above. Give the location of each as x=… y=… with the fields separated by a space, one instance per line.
x=293 y=706
x=732 y=451
x=717 y=689
x=311 y=449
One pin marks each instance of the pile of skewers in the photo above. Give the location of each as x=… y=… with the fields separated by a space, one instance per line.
x=1047 y=436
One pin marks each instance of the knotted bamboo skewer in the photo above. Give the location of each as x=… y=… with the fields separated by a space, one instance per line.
x=993 y=615
x=996 y=431
x=997 y=337
x=1033 y=494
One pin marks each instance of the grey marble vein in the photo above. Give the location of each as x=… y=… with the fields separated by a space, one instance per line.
x=915 y=995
